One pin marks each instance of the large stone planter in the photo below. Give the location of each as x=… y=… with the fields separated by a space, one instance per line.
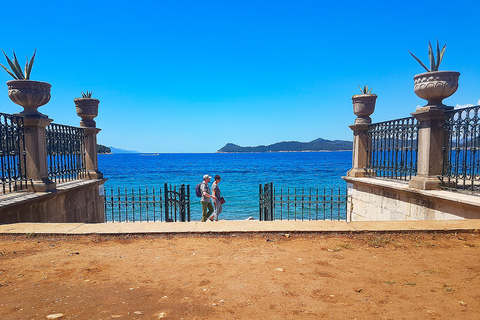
x=435 y=86
x=87 y=109
x=30 y=95
x=363 y=107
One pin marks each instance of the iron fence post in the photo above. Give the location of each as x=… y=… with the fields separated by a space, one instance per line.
x=260 y=202
x=182 y=203
x=188 y=202
x=271 y=215
x=165 y=188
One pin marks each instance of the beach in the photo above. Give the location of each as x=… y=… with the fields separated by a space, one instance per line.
x=420 y=275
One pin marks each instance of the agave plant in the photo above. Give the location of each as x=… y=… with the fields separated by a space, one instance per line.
x=365 y=90
x=16 y=71
x=433 y=64
x=87 y=95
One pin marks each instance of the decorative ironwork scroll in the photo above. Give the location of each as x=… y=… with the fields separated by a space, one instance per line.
x=393 y=147
x=461 y=169
x=66 y=152
x=12 y=153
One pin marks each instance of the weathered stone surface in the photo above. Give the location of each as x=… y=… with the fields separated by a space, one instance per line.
x=376 y=200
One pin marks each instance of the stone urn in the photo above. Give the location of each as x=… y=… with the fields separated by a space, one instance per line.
x=30 y=95
x=363 y=107
x=435 y=86
x=87 y=109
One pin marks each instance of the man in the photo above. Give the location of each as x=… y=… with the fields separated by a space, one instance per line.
x=207 y=207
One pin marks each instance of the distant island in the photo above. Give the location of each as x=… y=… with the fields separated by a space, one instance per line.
x=118 y=150
x=108 y=150
x=102 y=149
x=293 y=146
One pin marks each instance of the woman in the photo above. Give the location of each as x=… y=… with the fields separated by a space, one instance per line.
x=217 y=203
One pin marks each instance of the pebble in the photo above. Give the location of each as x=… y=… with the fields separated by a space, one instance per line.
x=55 y=316
x=162 y=315
x=138 y=313
x=280 y=269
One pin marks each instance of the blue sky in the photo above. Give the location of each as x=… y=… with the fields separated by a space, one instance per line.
x=191 y=76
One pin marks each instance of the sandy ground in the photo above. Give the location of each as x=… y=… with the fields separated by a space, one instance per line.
x=241 y=276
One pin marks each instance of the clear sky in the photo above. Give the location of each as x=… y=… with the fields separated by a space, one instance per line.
x=191 y=76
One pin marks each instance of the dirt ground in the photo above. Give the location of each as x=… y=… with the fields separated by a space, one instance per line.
x=241 y=276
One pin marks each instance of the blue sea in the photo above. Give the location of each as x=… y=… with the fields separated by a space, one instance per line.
x=241 y=173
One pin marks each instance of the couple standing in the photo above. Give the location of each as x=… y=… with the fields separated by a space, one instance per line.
x=207 y=207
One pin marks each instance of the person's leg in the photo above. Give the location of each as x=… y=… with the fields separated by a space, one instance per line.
x=215 y=214
x=212 y=217
x=218 y=210
x=204 y=211
x=210 y=209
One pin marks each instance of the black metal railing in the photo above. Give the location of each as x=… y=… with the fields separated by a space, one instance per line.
x=393 y=147
x=65 y=152
x=170 y=204
x=302 y=203
x=461 y=162
x=12 y=153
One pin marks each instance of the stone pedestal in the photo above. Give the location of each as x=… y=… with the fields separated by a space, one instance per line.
x=91 y=162
x=360 y=151
x=87 y=110
x=36 y=154
x=431 y=136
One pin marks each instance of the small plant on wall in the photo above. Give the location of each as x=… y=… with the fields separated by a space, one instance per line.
x=87 y=95
x=434 y=64
x=365 y=90
x=16 y=70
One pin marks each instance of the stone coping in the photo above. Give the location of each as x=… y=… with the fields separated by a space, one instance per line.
x=21 y=196
x=397 y=186
x=237 y=226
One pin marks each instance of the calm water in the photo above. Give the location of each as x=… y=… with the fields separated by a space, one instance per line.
x=241 y=174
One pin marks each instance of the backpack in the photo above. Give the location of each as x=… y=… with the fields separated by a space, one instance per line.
x=198 y=192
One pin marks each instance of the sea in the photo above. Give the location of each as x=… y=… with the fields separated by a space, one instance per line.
x=241 y=174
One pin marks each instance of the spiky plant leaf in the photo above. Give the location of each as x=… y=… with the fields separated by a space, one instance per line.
x=18 y=75
x=431 y=57
x=440 y=54
x=419 y=61
x=17 y=66
x=28 y=70
x=8 y=71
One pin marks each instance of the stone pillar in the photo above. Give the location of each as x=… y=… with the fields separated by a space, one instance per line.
x=431 y=136
x=363 y=108
x=91 y=162
x=360 y=147
x=36 y=154
x=87 y=109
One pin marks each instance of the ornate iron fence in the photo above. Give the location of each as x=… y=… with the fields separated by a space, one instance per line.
x=12 y=153
x=137 y=205
x=66 y=152
x=461 y=169
x=302 y=204
x=393 y=147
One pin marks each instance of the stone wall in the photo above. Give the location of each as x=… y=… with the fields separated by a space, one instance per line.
x=75 y=201
x=373 y=199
